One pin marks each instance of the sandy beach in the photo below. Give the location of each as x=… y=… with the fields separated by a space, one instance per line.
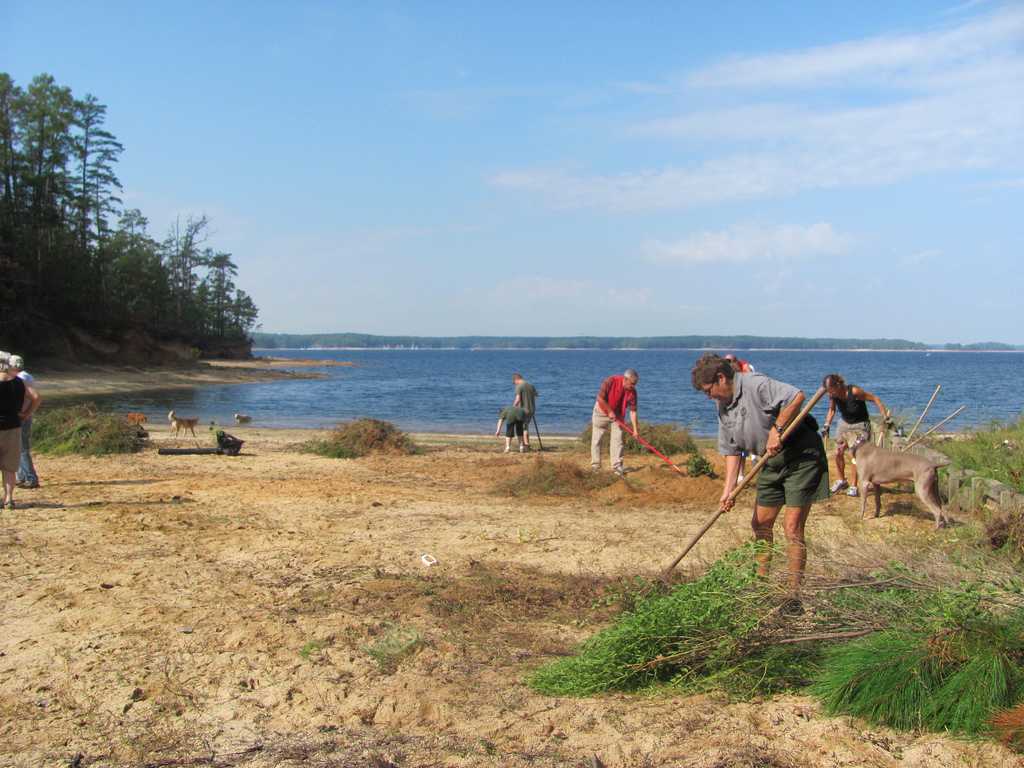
x=192 y=610
x=83 y=381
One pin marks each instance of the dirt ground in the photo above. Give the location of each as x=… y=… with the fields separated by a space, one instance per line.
x=276 y=609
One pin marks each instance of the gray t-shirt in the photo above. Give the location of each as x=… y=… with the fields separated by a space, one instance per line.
x=527 y=394
x=743 y=424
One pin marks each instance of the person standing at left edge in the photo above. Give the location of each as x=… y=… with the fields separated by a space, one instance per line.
x=753 y=412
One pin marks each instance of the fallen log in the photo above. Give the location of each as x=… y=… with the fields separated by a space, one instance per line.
x=186 y=451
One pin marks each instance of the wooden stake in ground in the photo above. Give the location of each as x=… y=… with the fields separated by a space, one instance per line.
x=797 y=420
x=908 y=446
x=921 y=417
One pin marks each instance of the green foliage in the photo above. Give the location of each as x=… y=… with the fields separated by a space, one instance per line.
x=83 y=429
x=996 y=452
x=949 y=678
x=553 y=478
x=72 y=262
x=698 y=465
x=361 y=438
x=310 y=648
x=702 y=635
x=395 y=644
x=667 y=438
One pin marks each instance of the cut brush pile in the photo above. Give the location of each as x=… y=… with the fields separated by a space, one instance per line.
x=887 y=648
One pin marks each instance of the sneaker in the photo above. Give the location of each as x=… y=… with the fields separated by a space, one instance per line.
x=619 y=472
x=852 y=491
x=507 y=449
x=839 y=485
x=27 y=485
x=522 y=449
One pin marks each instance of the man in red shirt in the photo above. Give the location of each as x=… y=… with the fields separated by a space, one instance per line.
x=616 y=395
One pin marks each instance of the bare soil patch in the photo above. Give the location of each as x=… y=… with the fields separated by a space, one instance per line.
x=275 y=609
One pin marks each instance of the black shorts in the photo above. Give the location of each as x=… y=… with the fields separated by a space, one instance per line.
x=514 y=429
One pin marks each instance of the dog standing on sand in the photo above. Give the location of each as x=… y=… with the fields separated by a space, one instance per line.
x=180 y=423
x=879 y=465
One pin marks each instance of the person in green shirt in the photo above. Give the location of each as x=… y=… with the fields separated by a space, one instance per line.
x=512 y=416
x=526 y=398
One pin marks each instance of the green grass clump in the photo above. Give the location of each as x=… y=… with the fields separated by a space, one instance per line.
x=939 y=678
x=553 y=478
x=667 y=438
x=702 y=635
x=996 y=452
x=84 y=429
x=395 y=644
x=697 y=465
x=361 y=438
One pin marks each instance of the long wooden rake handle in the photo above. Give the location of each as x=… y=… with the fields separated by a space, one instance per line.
x=797 y=420
x=921 y=417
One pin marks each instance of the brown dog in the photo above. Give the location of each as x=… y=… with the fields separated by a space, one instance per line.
x=879 y=465
x=180 y=423
x=138 y=419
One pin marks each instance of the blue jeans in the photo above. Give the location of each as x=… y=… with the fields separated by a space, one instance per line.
x=26 y=469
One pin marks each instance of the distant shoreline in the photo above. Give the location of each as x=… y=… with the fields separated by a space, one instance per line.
x=633 y=349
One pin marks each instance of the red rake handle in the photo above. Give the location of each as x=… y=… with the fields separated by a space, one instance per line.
x=650 y=447
x=746 y=480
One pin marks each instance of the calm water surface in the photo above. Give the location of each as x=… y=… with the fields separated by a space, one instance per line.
x=461 y=391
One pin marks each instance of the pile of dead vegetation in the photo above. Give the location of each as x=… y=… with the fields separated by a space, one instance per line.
x=362 y=437
x=668 y=438
x=889 y=646
x=553 y=478
x=84 y=429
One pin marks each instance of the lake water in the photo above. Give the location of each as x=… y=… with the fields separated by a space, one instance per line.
x=462 y=391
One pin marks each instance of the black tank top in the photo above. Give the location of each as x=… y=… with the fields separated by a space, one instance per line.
x=852 y=410
x=12 y=396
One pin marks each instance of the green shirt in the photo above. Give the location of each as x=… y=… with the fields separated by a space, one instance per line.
x=513 y=413
x=527 y=395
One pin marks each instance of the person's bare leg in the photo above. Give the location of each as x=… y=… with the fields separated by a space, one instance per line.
x=763 y=524
x=841 y=461
x=796 y=547
x=9 y=481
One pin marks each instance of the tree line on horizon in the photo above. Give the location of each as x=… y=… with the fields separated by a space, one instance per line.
x=371 y=341
x=73 y=256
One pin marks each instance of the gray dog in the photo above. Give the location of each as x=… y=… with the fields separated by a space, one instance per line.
x=878 y=465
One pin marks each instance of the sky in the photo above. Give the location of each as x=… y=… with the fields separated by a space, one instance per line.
x=574 y=168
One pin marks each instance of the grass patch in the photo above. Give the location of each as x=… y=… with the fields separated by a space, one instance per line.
x=996 y=452
x=310 y=648
x=84 y=429
x=954 y=677
x=362 y=437
x=934 y=657
x=553 y=478
x=395 y=644
x=703 y=635
x=697 y=465
x=667 y=438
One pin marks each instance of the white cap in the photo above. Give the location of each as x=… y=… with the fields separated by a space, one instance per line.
x=16 y=361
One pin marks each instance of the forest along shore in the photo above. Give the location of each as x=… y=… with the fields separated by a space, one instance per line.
x=83 y=381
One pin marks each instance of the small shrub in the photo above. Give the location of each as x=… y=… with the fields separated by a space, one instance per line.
x=84 y=429
x=553 y=478
x=361 y=438
x=697 y=465
x=667 y=438
x=396 y=644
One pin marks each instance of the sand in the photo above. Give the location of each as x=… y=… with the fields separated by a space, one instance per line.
x=82 y=381
x=251 y=611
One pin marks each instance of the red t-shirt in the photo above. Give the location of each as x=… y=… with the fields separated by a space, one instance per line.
x=613 y=391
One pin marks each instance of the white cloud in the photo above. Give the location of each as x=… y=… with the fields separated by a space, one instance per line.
x=750 y=244
x=931 y=103
x=568 y=293
x=873 y=57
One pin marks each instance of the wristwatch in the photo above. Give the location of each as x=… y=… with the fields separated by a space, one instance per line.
x=778 y=429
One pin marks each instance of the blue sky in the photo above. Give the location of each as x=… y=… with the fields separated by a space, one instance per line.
x=810 y=169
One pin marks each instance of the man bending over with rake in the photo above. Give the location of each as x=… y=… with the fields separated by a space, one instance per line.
x=753 y=411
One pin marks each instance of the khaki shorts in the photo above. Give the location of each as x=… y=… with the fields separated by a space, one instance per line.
x=10 y=449
x=797 y=475
x=848 y=433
